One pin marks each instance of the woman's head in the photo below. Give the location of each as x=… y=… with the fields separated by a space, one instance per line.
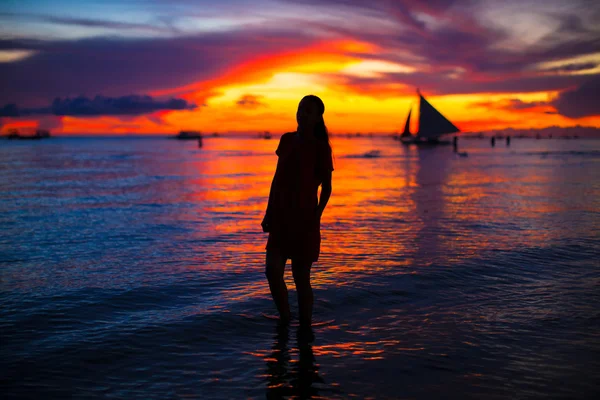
x=310 y=116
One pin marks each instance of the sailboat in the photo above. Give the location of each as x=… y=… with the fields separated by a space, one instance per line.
x=432 y=125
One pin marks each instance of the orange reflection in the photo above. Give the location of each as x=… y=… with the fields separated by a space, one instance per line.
x=409 y=208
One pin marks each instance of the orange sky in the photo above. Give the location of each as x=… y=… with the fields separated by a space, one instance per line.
x=367 y=84
x=277 y=82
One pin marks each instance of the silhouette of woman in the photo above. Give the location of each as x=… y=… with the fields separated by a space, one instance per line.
x=294 y=212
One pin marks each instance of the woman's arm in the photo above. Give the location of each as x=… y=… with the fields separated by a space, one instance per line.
x=270 y=202
x=325 y=193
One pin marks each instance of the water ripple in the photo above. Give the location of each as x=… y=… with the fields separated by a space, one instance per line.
x=135 y=268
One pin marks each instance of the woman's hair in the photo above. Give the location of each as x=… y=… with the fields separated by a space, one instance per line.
x=321 y=132
x=320 y=128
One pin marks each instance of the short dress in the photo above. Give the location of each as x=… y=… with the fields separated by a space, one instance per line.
x=294 y=226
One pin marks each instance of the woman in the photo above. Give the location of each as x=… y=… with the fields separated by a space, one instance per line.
x=294 y=212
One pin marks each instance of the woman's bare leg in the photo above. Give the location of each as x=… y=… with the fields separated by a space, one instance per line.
x=301 y=272
x=275 y=266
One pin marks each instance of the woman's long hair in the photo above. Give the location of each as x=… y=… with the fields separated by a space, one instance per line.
x=321 y=132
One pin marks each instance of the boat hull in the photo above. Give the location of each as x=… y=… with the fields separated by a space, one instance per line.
x=424 y=142
x=188 y=135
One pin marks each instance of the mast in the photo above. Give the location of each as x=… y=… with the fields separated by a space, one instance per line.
x=406 y=132
x=432 y=123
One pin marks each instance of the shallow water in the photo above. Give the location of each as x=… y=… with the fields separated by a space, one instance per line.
x=134 y=268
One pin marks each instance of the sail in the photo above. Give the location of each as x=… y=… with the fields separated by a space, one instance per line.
x=432 y=124
x=406 y=132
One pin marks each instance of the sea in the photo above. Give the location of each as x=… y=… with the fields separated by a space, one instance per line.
x=133 y=267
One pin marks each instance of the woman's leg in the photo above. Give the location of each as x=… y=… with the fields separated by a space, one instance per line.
x=275 y=266
x=301 y=272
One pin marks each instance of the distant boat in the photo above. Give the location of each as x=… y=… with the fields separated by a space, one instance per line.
x=38 y=134
x=13 y=134
x=266 y=135
x=432 y=125
x=189 y=135
x=372 y=154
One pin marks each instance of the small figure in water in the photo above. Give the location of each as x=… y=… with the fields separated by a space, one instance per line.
x=294 y=211
x=493 y=141
x=455 y=143
x=508 y=141
x=200 y=141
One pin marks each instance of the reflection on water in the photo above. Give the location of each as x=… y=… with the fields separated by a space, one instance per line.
x=475 y=276
x=432 y=173
x=291 y=371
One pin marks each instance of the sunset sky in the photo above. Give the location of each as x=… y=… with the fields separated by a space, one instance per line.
x=158 y=66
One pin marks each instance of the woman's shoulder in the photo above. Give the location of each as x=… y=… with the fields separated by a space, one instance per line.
x=287 y=135
x=284 y=142
x=286 y=138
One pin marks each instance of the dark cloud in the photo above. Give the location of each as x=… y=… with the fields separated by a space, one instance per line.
x=473 y=49
x=583 y=101
x=100 y=105
x=87 y=22
x=19 y=44
x=513 y=105
x=114 y=65
x=9 y=110
x=463 y=41
x=126 y=105
x=383 y=5
x=95 y=23
x=516 y=104
x=250 y=101
x=445 y=83
x=401 y=11
x=452 y=49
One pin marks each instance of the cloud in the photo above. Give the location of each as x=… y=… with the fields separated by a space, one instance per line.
x=444 y=83
x=442 y=37
x=575 y=67
x=9 y=110
x=250 y=101
x=583 y=101
x=115 y=65
x=513 y=105
x=95 y=23
x=516 y=104
x=100 y=105
x=87 y=22
x=126 y=105
x=452 y=45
